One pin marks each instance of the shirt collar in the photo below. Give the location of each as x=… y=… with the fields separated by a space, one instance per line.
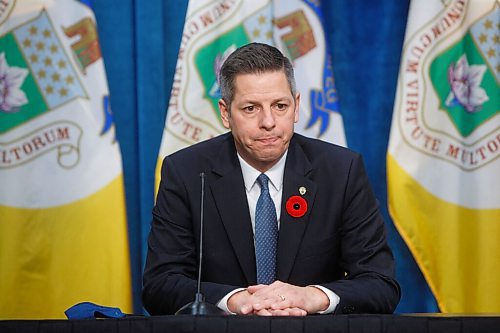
x=275 y=174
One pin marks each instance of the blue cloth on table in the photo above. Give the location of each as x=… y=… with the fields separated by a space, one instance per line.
x=88 y=310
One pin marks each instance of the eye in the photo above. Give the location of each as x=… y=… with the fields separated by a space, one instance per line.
x=281 y=106
x=250 y=108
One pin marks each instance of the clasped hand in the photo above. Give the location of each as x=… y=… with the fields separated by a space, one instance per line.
x=278 y=299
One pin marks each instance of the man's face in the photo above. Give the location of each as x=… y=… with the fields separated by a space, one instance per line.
x=262 y=117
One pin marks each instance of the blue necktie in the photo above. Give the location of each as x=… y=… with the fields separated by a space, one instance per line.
x=266 y=234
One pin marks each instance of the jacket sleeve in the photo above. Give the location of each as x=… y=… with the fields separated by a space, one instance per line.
x=170 y=273
x=369 y=285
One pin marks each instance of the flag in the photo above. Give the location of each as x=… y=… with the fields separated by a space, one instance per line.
x=443 y=167
x=213 y=29
x=63 y=235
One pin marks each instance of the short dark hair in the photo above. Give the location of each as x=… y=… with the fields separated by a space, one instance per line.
x=253 y=58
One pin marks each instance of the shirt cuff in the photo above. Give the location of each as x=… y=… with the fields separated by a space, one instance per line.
x=222 y=304
x=333 y=297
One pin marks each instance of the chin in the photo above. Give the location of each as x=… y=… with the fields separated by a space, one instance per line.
x=271 y=156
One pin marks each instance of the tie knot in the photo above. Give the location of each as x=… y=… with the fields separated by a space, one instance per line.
x=263 y=182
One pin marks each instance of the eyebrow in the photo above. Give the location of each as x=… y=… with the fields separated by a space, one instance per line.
x=284 y=99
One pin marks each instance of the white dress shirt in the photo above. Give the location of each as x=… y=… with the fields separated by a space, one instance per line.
x=275 y=175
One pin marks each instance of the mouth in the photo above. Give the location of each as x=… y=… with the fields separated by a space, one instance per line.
x=268 y=140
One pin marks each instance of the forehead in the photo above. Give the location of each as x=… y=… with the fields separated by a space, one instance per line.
x=261 y=85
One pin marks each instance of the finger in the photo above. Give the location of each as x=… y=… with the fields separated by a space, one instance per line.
x=279 y=312
x=274 y=300
x=275 y=289
x=264 y=299
x=280 y=305
x=263 y=304
x=288 y=312
x=296 y=312
x=255 y=288
x=268 y=289
x=263 y=312
x=246 y=309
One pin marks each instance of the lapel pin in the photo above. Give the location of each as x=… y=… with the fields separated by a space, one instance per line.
x=302 y=190
x=296 y=206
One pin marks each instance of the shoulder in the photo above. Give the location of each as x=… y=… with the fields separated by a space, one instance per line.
x=203 y=149
x=200 y=157
x=317 y=150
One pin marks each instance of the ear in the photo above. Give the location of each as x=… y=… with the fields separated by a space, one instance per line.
x=297 y=104
x=224 y=113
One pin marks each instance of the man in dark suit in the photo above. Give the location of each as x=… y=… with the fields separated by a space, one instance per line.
x=306 y=237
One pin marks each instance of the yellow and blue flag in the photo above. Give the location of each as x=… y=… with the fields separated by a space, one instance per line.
x=63 y=232
x=442 y=163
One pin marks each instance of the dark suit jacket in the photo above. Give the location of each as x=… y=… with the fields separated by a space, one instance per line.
x=340 y=242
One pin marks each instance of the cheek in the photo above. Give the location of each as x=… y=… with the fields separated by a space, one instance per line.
x=289 y=124
x=245 y=128
x=242 y=132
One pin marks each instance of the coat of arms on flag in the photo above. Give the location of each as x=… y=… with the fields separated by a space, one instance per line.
x=45 y=80
x=450 y=87
x=37 y=77
x=472 y=72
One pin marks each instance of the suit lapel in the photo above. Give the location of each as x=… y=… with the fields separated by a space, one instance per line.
x=231 y=201
x=228 y=190
x=292 y=228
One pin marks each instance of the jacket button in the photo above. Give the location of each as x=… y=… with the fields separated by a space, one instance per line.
x=348 y=309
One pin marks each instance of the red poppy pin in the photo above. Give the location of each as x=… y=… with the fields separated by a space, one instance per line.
x=296 y=206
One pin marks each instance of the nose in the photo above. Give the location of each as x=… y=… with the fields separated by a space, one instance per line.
x=267 y=121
